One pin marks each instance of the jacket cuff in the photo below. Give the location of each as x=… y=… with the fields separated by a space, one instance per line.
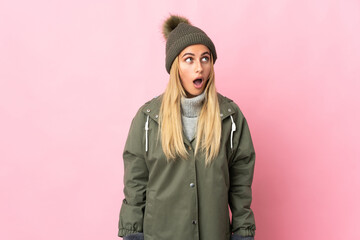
x=238 y=237
x=246 y=231
x=134 y=236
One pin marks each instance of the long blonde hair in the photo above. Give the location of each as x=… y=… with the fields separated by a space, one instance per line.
x=209 y=123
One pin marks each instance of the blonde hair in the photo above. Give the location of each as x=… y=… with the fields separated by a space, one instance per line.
x=209 y=123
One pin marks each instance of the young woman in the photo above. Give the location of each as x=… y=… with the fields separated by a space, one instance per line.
x=189 y=153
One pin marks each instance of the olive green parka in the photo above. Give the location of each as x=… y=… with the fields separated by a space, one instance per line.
x=184 y=199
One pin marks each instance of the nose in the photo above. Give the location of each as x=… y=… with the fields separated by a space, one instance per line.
x=199 y=67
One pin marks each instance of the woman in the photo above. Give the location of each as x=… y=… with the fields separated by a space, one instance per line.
x=189 y=154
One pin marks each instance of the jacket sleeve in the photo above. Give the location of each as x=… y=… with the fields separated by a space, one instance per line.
x=135 y=179
x=241 y=170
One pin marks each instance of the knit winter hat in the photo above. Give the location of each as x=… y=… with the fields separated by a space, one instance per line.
x=180 y=34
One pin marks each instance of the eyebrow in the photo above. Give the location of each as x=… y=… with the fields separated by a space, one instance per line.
x=191 y=54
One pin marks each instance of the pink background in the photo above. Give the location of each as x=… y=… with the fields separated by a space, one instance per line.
x=73 y=74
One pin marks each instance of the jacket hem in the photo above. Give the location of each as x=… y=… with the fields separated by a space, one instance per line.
x=135 y=236
x=238 y=237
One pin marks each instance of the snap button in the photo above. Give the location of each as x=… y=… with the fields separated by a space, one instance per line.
x=221 y=114
x=148 y=110
x=194 y=222
x=229 y=110
x=192 y=185
x=156 y=116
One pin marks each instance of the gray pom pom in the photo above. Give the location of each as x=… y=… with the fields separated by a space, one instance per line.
x=171 y=23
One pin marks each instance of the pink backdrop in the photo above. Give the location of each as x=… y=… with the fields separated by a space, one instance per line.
x=73 y=74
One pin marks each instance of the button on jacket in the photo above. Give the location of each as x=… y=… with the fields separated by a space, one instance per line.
x=184 y=199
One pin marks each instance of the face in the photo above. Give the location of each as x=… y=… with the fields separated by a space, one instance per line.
x=194 y=69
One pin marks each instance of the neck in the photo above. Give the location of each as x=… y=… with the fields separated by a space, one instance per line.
x=191 y=107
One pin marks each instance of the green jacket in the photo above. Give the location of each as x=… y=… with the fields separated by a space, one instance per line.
x=184 y=199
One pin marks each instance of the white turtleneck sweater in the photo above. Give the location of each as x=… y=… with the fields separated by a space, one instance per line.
x=190 y=111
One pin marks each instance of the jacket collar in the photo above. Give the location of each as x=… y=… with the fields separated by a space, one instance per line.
x=152 y=108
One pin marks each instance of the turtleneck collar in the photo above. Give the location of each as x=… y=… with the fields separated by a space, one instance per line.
x=191 y=107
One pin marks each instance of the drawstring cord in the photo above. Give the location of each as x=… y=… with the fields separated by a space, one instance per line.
x=233 y=129
x=146 y=133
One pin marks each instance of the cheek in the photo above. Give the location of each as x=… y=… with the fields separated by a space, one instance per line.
x=184 y=75
x=207 y=70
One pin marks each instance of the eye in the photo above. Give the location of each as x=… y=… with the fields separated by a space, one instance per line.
x=205 y=59
x=188 y=60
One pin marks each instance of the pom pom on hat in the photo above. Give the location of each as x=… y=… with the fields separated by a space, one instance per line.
x=171 y=23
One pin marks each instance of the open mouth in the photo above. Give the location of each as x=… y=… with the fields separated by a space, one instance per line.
x=198 y=82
